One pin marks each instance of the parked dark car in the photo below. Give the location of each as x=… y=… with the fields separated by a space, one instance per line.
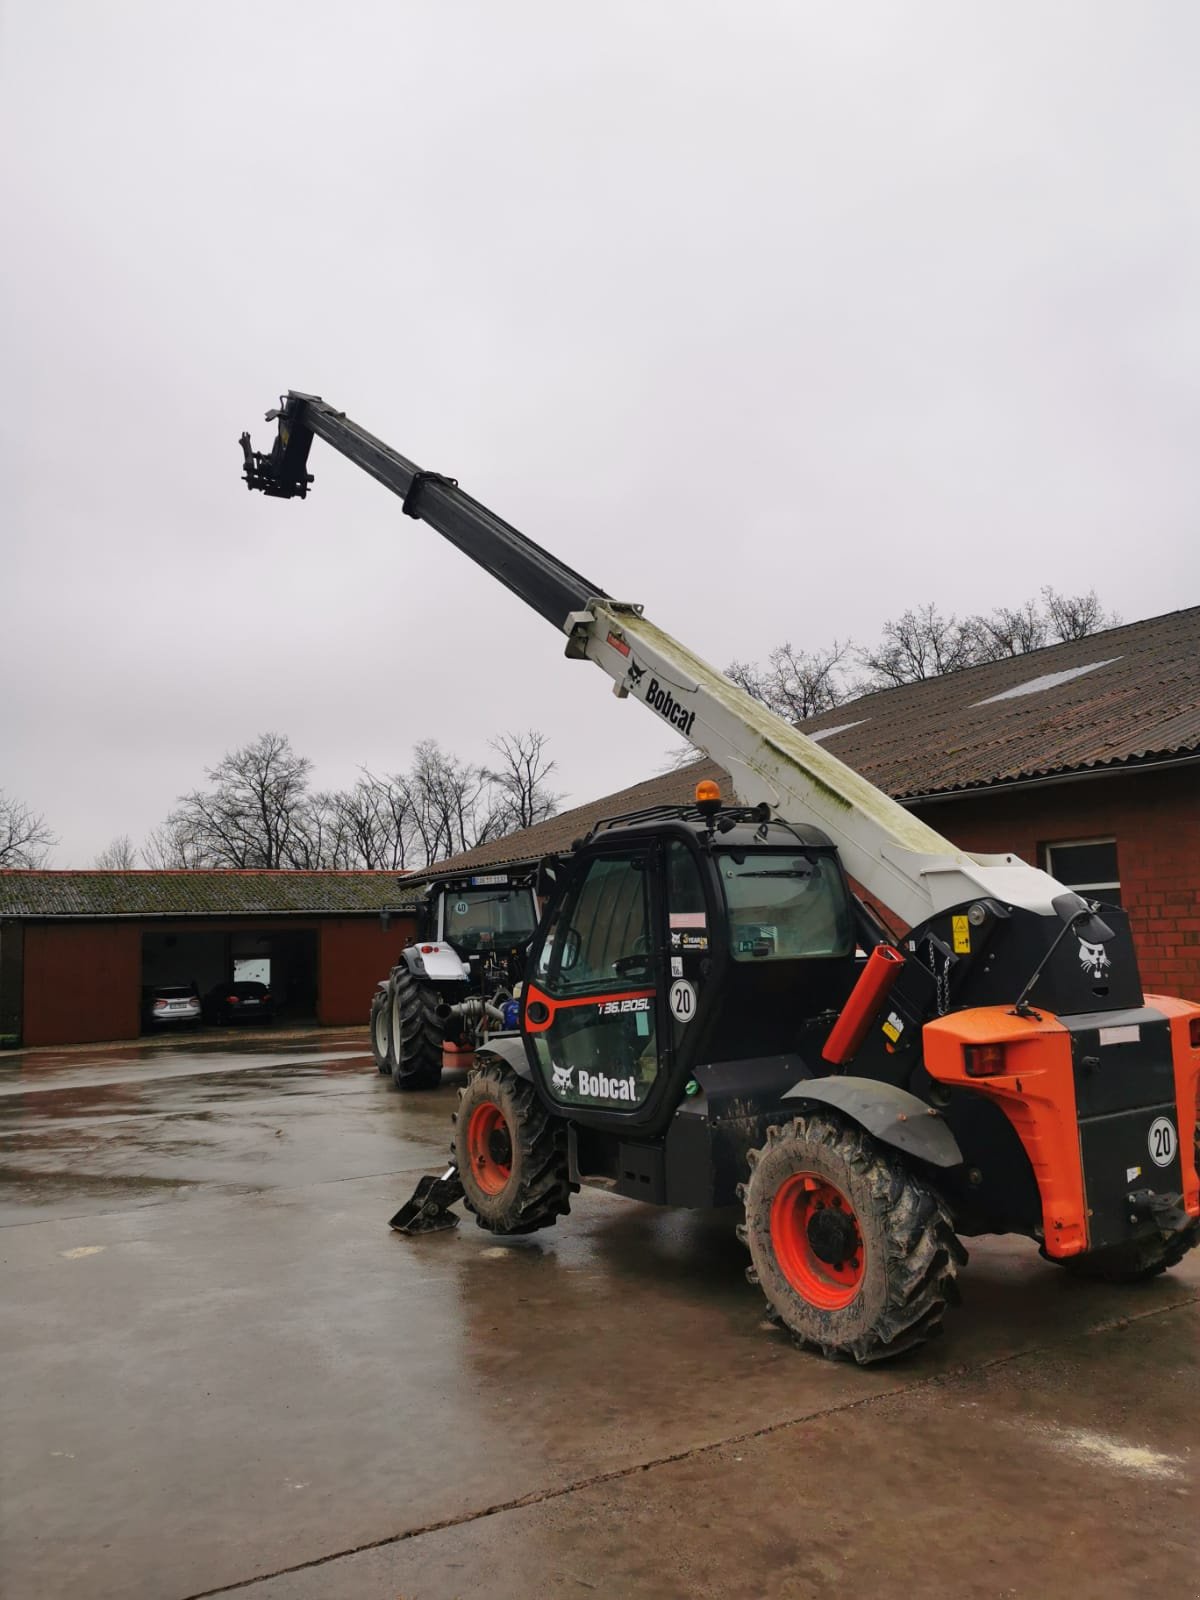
x=169 y=1005
x=239 y=1002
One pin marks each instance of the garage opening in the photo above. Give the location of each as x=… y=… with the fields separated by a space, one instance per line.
x=280 y=965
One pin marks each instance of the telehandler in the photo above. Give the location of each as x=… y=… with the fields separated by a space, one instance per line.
x=698 y=1027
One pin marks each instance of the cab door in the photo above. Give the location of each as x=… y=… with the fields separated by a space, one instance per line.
x=591 y=1010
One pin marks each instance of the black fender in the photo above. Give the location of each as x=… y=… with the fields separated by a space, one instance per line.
x=891 y=1115
x=508 y=1048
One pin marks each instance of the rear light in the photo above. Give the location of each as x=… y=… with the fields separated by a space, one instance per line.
x=1194 y=1032
x=231 y=999
x=428 y=949
x=161 y=1005
x=984 y=1060
x=265 y=995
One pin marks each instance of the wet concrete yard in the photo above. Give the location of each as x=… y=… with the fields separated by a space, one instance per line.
x=223 y=1374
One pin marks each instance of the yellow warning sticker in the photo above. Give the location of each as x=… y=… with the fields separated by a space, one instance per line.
x=962 y=936
x=893 y=1027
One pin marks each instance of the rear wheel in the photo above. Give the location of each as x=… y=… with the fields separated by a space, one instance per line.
x=415 y=1033
x=856 y=1254
x=510 y=1152
x=378 y=1028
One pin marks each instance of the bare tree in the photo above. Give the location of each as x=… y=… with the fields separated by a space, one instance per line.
x=255 y=813
x=260 y=812
x=119 y=855
x=1075 y=616
x=1010 y=631
x=920 y=644
x=25 y=840
x=520 y=780
x=174 y=846
x=796 y=684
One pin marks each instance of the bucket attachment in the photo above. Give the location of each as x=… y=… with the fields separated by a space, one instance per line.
x=429 y=1209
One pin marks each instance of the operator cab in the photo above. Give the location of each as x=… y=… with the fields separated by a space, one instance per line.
x=680 y=937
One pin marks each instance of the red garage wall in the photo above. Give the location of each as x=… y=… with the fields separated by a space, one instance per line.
x=82 y=982
x=1155 y=819
x=354 y=953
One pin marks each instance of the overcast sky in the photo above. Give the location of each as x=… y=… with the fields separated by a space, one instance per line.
x=776 y=317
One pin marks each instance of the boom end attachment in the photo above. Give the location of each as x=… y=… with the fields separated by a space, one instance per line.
x=282 y=473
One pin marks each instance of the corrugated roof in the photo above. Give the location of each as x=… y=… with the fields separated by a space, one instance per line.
x=223 y=893
x=1140 y=702
x=1129 y=694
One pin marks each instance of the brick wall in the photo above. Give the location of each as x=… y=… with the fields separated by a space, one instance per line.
x=1155 y=819
x=355 y=952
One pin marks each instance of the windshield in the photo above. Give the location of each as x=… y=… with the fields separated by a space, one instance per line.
x=783 y=906
x=488 y=919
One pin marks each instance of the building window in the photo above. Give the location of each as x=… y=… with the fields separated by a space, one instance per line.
x=1087 y=865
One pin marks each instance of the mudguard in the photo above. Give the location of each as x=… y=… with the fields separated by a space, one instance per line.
x=438 y=962
x=891 y=1115
x=510 y=1049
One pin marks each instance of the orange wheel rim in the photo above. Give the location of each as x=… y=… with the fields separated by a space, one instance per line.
x=817 y=1241
x=489 y=1147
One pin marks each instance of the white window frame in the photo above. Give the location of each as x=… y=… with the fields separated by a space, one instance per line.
x=1072 y=844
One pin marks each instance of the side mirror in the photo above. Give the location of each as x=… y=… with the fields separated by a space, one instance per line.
x=547 y=879
x=571 y=947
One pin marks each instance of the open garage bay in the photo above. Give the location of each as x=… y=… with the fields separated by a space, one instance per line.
x=222 y=1373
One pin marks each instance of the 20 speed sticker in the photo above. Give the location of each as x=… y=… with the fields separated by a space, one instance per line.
x=682 y=1000
x=1162 y=1141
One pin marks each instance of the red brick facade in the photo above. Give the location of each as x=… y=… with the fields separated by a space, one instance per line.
x=1155 y=819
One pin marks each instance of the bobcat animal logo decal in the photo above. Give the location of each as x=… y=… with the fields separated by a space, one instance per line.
x=561 y=1080
x=1093 y=958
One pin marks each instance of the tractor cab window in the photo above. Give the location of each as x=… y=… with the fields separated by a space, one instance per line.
x=478 y=920
x=785 y=906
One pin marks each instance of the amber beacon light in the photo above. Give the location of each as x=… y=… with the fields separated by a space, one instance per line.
x=708 y=796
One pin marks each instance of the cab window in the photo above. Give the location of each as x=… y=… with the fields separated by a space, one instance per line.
x=784 y=906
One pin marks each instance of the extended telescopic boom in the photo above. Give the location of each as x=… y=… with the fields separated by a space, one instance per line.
x=898 y=858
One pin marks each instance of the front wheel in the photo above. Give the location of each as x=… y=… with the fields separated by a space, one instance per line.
x=378 y=1028
x=510 y=1152
x=856 y=1254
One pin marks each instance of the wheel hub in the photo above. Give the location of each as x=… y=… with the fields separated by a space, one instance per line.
x=499 y=1145
x=817 y=1241
x=832 y=1236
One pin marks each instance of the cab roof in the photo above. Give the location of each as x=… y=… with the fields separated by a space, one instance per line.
x=737 y=828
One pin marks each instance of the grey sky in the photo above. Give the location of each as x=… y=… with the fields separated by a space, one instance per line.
x=778 y=318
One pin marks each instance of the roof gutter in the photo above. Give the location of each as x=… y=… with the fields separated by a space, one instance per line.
x=1010 y=786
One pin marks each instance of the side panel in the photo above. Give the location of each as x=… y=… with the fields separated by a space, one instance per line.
x=82 y=982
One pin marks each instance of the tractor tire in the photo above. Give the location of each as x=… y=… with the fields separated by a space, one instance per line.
x=414 y=1033
x=856 y=1254
x=510 y=1152
x=378 y=1028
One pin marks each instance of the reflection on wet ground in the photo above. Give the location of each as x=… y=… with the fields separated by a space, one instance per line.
x=224 y=1374
x=146 y=1123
